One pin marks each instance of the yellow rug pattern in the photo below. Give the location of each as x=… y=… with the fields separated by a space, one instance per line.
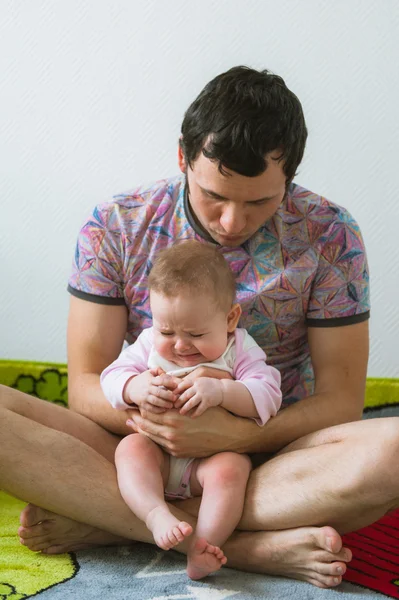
x=24 y=573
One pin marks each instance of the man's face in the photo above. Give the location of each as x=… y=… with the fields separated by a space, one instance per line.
x=231 y=208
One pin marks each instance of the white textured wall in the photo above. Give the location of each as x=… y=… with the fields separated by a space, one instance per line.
x=92 y=96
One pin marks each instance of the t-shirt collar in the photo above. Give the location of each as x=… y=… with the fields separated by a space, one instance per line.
x=191 y=219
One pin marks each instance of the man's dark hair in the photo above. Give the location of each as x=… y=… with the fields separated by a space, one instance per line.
x=239 y=117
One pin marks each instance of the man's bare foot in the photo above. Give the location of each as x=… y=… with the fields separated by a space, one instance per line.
x=312 y=554
x=203 y=559
x=166 y=529
x=42 y=530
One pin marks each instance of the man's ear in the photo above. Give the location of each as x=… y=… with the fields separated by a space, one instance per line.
x=233 y=317
x=180 y=158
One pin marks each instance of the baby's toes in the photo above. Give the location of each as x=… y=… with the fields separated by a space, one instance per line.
x=177 y=534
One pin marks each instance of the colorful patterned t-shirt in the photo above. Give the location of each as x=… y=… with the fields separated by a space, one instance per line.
x=305 y=267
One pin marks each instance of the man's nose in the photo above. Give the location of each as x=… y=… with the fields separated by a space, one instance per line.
x=233 y=219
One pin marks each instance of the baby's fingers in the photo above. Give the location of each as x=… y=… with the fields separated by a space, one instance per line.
x=156 y=400
x=183 y=386
x=156 y=371
x=162 y=393
x=184 y=398
x=179 y=402
x=167 y=381
x=201 y=408
x=189 y=405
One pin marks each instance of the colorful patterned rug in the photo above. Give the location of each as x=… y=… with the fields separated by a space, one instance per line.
x=143 y=572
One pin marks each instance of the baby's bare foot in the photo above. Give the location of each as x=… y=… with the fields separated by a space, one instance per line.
x=42 y=530
x=203 y=559
x=166 y=529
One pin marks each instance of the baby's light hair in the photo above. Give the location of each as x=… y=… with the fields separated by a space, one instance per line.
x=195 y=268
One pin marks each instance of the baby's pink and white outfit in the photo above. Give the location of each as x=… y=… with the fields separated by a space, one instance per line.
x=243 y=359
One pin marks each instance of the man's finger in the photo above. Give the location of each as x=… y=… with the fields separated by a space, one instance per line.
x=150 y=422
x=153 y=409
x=158 y=440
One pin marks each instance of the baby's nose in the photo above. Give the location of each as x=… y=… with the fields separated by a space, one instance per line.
x=182 y=345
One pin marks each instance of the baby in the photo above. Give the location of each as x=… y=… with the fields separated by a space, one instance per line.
x=192 y=293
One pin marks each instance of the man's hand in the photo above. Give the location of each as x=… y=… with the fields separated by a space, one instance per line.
x=215 y=431
x=151 y=391
x=199 y=395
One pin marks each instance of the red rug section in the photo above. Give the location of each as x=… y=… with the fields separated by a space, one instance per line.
x=375 y=563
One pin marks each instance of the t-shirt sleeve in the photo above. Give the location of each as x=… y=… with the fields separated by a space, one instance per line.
x=132 y=361
x=261 y=380
x=97 y=268
x=340 y=289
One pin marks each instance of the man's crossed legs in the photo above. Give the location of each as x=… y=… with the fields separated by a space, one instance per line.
x=346 y=476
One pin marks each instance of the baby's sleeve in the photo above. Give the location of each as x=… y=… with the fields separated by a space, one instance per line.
x=132 y=361
x=261 y=380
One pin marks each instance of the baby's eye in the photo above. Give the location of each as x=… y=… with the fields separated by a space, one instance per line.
x=197 y=335
x=166 y=333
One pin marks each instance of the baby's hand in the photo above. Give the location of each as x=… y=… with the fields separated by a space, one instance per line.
x=152 y=391
x=202 y=393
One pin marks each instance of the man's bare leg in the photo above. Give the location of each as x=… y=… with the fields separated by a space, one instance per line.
x=63 y=463
x=347 y=476
x=310 y=553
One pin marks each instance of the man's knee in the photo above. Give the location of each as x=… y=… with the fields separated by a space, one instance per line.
x=9 y=397
x=374 y=452
x=387 y=440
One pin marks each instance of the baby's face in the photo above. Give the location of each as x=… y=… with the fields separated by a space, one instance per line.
x=188 y=329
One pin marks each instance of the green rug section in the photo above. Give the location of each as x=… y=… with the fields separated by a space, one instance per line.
x=49 y=382
x=24 y=573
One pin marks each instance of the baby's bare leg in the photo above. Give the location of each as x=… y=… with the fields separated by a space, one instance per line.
x=143 y=470
x=223 y=478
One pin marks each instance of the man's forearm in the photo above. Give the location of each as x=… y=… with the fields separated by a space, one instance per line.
x=217 y=430
x=305 y=416
x=86 y=397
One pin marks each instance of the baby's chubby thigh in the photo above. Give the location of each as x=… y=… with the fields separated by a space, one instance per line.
x=137 y=451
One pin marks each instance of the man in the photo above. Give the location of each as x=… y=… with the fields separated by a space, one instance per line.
x=302 y=283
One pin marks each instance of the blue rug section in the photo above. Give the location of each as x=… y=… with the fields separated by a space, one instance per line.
x=142 y=572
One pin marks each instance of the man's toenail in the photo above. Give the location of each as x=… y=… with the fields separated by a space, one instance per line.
x=329 y=543
x=340 y=570
x=336 y=580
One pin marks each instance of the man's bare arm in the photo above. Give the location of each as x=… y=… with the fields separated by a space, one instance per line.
x=95 y=338
x=339 y=356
